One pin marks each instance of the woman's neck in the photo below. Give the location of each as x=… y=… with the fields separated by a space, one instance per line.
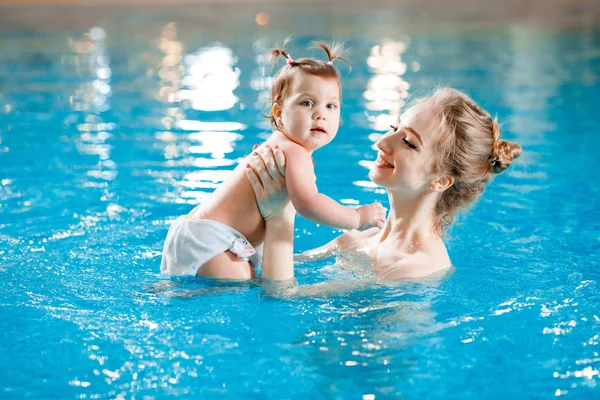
x=410 y=221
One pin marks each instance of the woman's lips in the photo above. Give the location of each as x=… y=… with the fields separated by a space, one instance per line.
x=381 y=163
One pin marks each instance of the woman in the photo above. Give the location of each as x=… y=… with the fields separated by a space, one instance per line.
x=439 y=157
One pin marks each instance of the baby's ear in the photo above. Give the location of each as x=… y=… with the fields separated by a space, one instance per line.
x=276 y=111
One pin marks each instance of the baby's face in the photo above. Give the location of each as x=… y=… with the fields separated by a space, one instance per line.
x=311 y=113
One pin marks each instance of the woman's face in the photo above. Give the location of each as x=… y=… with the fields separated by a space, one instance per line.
x=405 y=158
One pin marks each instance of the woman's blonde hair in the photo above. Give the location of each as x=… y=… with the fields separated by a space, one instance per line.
x=469 y=150
x=284 y=78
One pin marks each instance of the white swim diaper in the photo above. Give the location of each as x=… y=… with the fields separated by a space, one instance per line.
x=191 y=243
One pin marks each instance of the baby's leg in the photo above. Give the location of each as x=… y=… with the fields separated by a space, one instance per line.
x=227 y=266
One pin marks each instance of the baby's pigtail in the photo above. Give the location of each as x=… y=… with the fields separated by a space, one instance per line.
x=279 y=51
x=275 y=53
x=333 y=52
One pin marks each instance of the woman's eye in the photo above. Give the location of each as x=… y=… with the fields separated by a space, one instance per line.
x=409 y=144
x=307 y=103
x=394 y=128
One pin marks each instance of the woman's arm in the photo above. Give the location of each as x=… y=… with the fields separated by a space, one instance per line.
x=319 y=253
x=278 y=262
x=348 y=242
x=265 y=171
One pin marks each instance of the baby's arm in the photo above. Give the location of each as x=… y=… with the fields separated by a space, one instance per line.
x=308 y=202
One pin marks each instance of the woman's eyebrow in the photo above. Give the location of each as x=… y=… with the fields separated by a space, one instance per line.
x=411 y=130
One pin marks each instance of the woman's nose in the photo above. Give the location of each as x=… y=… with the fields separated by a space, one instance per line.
x=384 y=144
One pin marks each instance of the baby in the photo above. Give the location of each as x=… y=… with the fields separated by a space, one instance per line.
x=218 y=238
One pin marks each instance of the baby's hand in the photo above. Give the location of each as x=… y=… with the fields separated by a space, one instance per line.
x=371 y=215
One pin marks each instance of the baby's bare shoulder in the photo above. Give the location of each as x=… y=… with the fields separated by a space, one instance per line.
x=296 y=154
x=293 y=148
x=286 y=144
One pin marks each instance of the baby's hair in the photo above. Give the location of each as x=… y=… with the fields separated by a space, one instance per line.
x=284 y=78
x=468 y=149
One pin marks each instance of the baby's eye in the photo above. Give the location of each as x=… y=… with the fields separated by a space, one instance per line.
x=307 y=103
x=409 y=144
x=331 y=106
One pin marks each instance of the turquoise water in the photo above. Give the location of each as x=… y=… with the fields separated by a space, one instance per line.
x=109 y=132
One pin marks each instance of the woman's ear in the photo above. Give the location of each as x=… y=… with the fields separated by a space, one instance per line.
x=442 y=183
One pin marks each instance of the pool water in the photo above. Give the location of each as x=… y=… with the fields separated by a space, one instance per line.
x=115 y=123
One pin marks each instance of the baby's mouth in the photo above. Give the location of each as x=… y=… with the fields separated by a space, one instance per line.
x=319 y=130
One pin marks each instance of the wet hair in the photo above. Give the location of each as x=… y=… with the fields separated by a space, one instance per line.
x=284 y=78
x=469 y=149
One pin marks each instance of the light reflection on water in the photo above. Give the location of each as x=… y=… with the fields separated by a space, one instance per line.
x=211 y=79
x=105 y=138
x=91 y=58
x=204 y=80
x=386 y=90
x=92 y=98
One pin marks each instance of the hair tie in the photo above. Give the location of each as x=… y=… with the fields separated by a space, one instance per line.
x=494 y=161
x=289 y=59
x=330 y=62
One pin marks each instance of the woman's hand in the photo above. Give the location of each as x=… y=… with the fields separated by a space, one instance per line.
x=265 y=170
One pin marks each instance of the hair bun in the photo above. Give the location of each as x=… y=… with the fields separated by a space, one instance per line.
x=503 y=154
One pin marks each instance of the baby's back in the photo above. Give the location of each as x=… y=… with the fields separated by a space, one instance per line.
x=234 y=204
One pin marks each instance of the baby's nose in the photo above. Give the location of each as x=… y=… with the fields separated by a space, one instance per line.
x=321 y=112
